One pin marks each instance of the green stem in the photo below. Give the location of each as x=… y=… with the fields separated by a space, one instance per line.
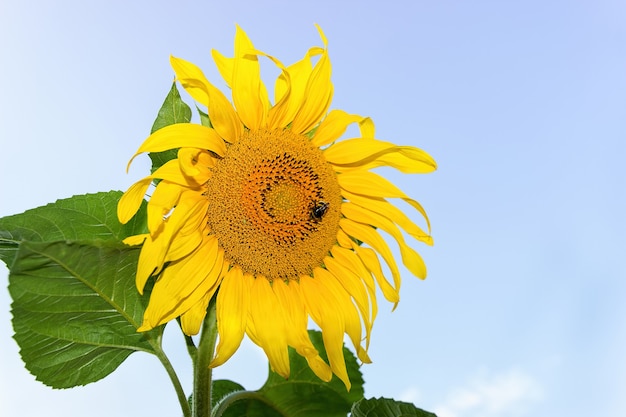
x=202 y=372
x=180 y=393
x=236 y=396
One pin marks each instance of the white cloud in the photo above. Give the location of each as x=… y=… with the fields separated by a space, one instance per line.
x=502 y=395
x=411 y=395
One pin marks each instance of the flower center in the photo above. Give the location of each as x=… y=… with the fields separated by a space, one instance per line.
x=274 y=204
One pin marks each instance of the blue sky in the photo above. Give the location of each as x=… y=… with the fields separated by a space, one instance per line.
x=523 y=105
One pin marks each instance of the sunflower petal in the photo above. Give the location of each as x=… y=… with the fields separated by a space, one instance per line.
x=278 y=116
x=186 y=70
x=290 y=297
x=354 y=287
x=335 y=124
x=192 y=319
x=164 y=197
x=406 y=159
x=328 y=308
x=195 y=164
x=233 y=303
x=391 y=212
x=136 y=239
x=372 y=185
x=318 y=93
x=224 y=66
x=371 y=262
x=170 y=171
x=222 y=114
x=268 y=321
x=349 y=259
x=246 y=83
x=131 y=200
x=173 y=296
x=182 y=135
x=410 y=258
x=290 y=86
x=369 y=235
x=183 y=245
x=371 y=153
x=156 y=248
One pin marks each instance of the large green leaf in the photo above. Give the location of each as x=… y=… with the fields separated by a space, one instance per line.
x=174 y=110
x=303 y=394
x=386 y=407
x=75 y=306
x=82 y=217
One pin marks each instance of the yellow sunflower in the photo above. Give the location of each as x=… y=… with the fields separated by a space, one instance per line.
x=273 y=211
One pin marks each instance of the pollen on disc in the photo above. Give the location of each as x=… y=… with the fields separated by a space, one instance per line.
x=264 y=204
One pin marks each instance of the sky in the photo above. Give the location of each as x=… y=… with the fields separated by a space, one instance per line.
x=522 y=104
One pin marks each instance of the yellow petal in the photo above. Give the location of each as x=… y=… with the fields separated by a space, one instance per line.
x=224 y=66
x=343 y=239
x=182 y=284
x=290 y=87
x=371 y=153
x=150 y=261
x=170 y=171
x=328 y=308
x=195 y=164
x=156 y=248
x=187 y=72
x=196 y=212
x=407 y=159
x=371 y=262
x=233 y=304
x=335 y=124
x=268 y=322
x=135 y=240
x=182 y=135
x=372 y=185
x=353 y=286
x=192 y=319
x=410 y=258
x=164 y=197
x=391 y=212
x=183 y=245
x=370 y=236
x=246 y=83
x=318 y=93
x=131 y=200
x=293 y=307
x=222 y=114
x=278 y=116
x=352 y=262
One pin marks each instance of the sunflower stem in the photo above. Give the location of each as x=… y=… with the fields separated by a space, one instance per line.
x=202 y=378
x=180 y=393
x=227 y=401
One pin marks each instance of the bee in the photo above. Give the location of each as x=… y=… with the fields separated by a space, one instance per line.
x=318 y=210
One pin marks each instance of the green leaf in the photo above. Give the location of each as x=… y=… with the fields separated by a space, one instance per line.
x=75 y=306
x=83 y=217
x=303 y=394
x=76 y=310
x=386 y=407
x=204 y=118
x=174 y=110
x=223 y=387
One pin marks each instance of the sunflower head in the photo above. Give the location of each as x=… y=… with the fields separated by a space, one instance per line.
x=273 y=212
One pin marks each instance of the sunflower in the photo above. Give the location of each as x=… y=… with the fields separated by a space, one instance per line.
x=269 y=208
